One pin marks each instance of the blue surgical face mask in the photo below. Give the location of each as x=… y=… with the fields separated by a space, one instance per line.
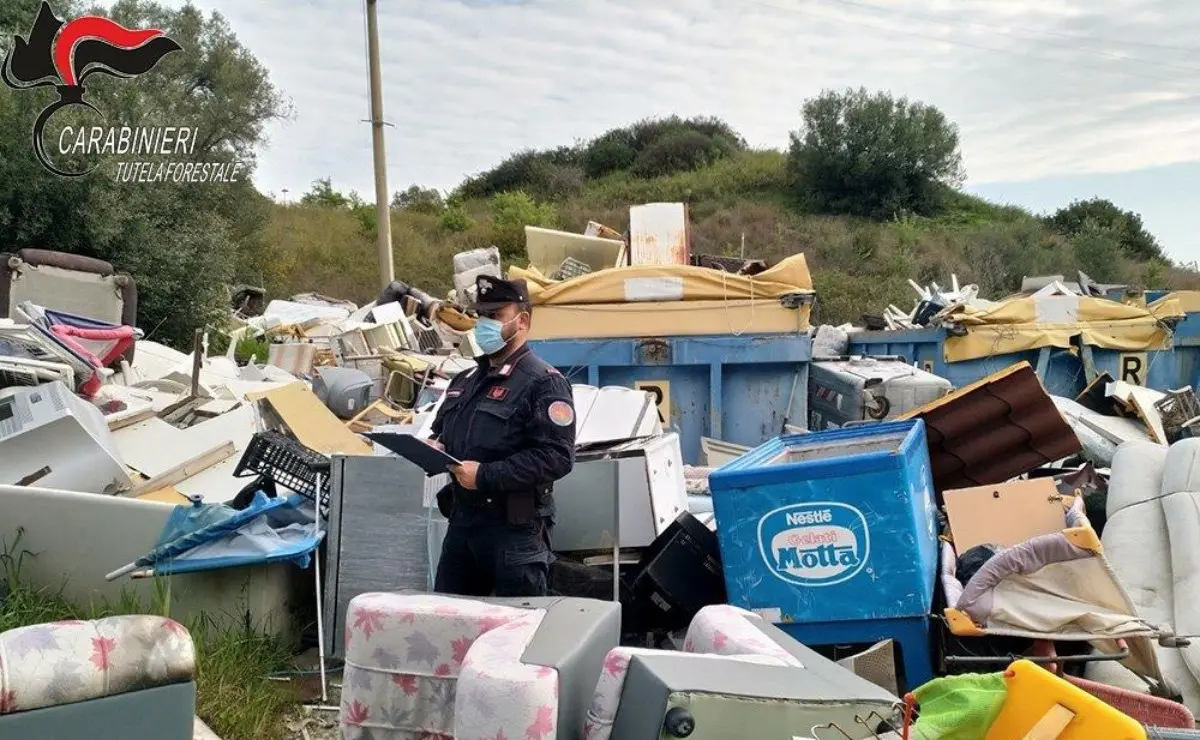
x=489 y=334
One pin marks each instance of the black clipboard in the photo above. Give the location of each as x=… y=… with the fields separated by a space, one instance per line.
x=428 y=458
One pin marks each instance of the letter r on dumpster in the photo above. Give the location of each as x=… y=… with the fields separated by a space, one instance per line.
x=1133 y=368
x=661 y=391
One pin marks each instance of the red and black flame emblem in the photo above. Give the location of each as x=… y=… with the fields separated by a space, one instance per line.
x=65 y=54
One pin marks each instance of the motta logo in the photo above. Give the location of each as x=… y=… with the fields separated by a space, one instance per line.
x=64 y=55
x=814 y=544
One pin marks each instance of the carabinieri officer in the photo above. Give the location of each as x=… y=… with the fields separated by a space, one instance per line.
x=511 y=421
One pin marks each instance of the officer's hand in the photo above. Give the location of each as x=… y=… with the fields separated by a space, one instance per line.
x=436 y=444
x=465 y=474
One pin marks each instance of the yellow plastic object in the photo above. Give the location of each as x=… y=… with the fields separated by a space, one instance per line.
x=960 y=624
x=1042 y=706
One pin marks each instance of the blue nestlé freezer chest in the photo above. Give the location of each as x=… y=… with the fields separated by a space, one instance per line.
x=830 y=527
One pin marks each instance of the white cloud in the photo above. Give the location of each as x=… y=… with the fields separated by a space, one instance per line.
x=1037 y=88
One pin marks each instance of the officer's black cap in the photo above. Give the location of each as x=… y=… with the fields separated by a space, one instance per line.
x=495 y=293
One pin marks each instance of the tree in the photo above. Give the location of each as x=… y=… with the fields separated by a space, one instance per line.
x=1155 y=274
x=874 y=155
x=1097 y=249
x=182 y=242
x=660 y=146
x=649 y=148
x=322 y=195
x=418 y=200
x=611 y=151
x=528 y=170
x=679 y=151
x=511 y=213
x=1134 y=239
x=455 y=219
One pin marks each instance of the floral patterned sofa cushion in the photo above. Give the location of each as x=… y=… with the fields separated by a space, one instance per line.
x=404 y=656
x=46 y=665
x=501 y=697
x=722 y=629
x=603 y=712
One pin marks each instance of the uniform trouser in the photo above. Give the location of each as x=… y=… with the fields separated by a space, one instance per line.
x=486 y=556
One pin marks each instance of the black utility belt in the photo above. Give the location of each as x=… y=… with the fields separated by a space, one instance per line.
x=518 y=508
x=477 y=499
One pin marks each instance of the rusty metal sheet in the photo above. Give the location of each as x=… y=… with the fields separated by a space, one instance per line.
x=658 y=234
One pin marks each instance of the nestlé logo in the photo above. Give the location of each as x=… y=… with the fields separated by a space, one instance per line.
x=815 y=544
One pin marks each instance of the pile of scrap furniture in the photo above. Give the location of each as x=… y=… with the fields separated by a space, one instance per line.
x=770 y=528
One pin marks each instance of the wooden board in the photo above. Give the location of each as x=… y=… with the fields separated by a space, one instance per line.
x=1143 y=400
x=1006 y=514
x=154 y=447
x=314 y=425
x=185 y=469
x=378 y=413
x=166 y=495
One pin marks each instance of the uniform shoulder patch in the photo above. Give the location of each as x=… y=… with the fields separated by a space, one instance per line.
x=561 y=413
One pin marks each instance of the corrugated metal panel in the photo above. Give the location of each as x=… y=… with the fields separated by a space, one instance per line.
x=658 y=234
x=994 y=430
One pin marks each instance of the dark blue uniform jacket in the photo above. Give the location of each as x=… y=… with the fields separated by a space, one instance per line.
x=518 y=421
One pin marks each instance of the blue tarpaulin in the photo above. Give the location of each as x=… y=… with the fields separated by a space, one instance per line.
x=210 y=536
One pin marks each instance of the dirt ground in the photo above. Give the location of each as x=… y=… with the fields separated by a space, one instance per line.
x=309 y=724
x=315 y=719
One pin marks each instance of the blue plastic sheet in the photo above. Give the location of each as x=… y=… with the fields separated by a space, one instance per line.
x=211 y=536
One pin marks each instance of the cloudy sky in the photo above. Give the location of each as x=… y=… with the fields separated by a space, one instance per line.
x=1055 y=100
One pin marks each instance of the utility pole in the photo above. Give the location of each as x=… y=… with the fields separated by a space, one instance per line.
x=382 y=205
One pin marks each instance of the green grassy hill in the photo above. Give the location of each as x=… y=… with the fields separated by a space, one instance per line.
x=858 y=265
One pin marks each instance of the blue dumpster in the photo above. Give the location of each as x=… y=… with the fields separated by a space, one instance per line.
x=1162 y=370
x=1118 y=294
x=1060 y=370
x=833 y=536
x=740 y=389
x=1063 y=371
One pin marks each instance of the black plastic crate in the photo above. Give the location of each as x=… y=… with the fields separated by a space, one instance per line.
x=287 y=462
